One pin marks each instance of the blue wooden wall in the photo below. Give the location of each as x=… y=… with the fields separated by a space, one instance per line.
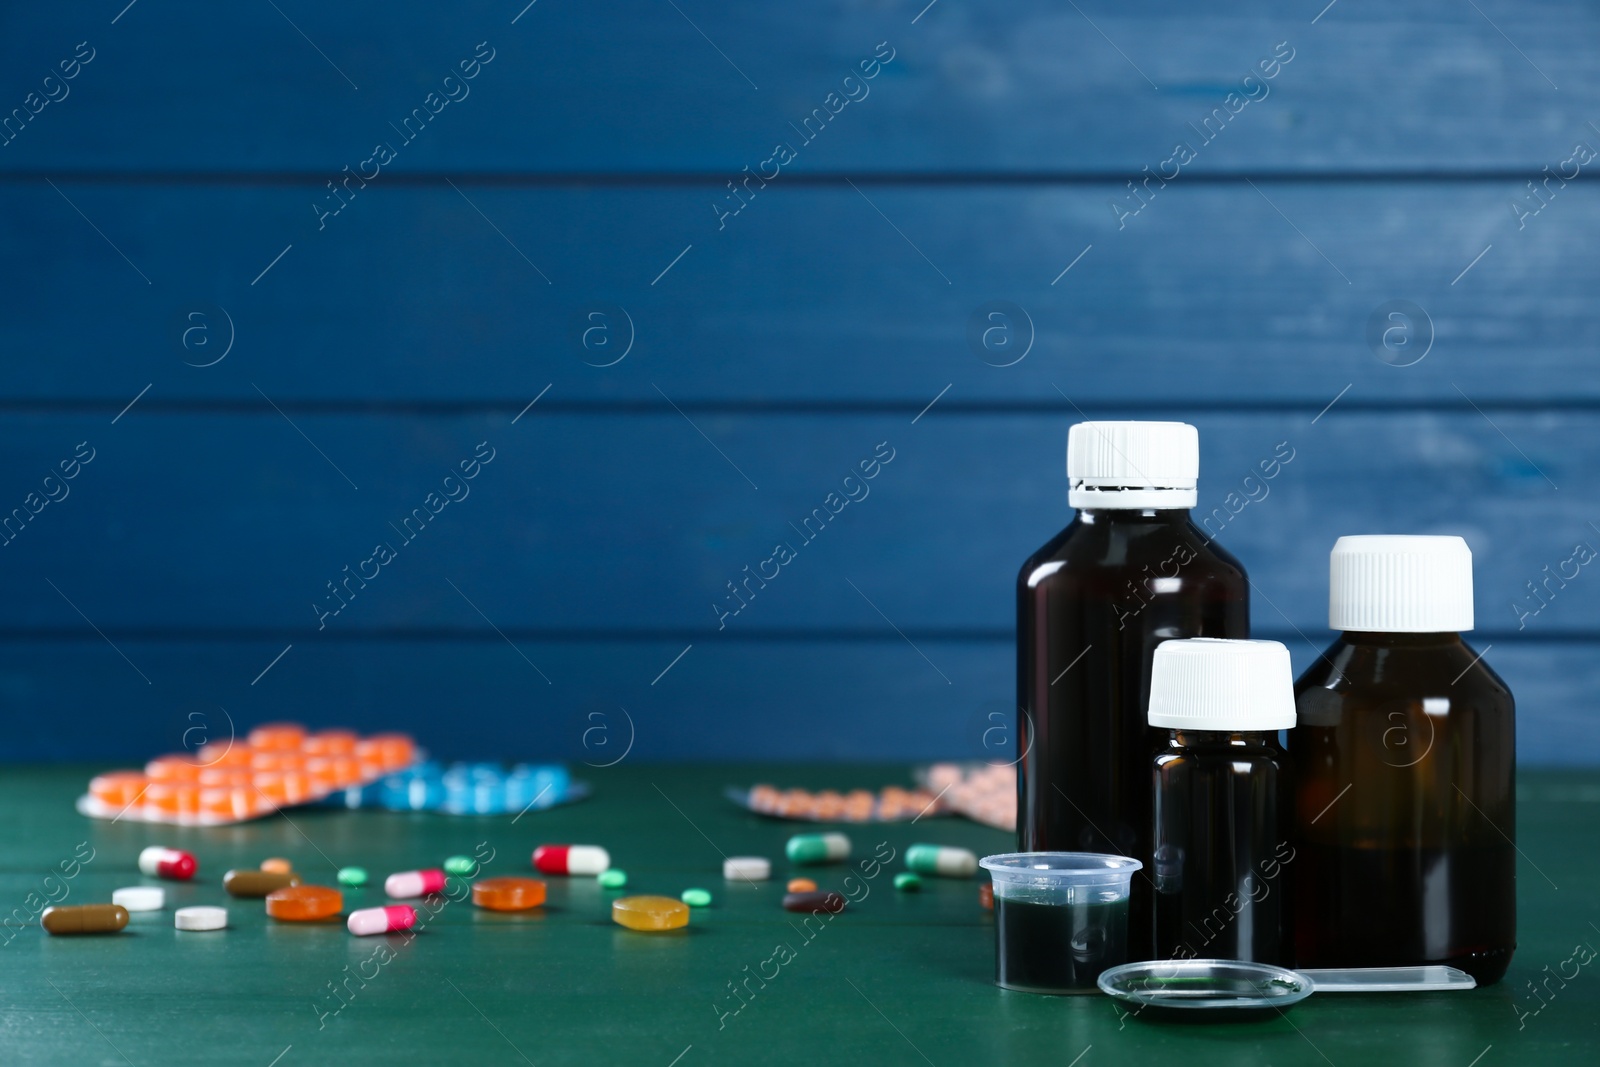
x=275 y=271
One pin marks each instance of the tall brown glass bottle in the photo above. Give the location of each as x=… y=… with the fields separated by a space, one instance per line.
x=1130 y=571
x=1405 y=770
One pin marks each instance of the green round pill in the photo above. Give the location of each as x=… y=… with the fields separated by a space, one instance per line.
x=613 y=878
x=907 y=882
x=465 y=866
x=353 y=876
x=696 y=898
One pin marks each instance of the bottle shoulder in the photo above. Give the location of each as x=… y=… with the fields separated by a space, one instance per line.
x=1164 y=547
x=1354 y=672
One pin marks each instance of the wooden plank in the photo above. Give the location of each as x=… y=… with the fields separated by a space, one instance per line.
x=643 y=88
x=725 y=699
x=638 y=522
x=1220 y=295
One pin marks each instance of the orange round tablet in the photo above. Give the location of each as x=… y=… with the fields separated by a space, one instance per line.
x=118 y=788
x=802 y=885
x=304 y=903
x=278 y=735
x=508 y=894
x=330 y=743
x=174 y=768
x=277 y=865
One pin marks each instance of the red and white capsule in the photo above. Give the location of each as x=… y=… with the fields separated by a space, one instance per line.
x=385 y=920
x=571 y=859
x=405 y=884
x=158 y=861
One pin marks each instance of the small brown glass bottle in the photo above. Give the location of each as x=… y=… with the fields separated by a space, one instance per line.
x=1130 y=572
x=1405 y=763
x=1223 y=814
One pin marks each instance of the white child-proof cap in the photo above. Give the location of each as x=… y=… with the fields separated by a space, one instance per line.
x=1208 y=683
x=1132 y=464
x=1389 y=583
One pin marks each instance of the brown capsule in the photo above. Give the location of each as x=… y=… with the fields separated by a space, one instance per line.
x=84 y=919
x=814 y=902
x=248 y=883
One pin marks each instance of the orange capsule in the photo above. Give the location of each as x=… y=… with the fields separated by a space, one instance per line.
x=223 y=754
x=277 y=865
x=304 y=903
x=801 y=885
x=173 y=799
x=508 y=894
x=330 y=743
x=174 y=768
x=278 y=735
x=118 y=788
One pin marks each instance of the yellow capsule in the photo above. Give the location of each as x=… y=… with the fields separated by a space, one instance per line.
x=248 y=883
x=84 y=919
x=650 y=913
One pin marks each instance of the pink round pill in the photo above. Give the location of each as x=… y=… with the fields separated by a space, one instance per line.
x=384 y=920
x=404 y=884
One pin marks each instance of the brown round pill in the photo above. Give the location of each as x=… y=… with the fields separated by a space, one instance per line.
x=84 y=919
x=248 y=883
x=277 y=865
x=814 y=902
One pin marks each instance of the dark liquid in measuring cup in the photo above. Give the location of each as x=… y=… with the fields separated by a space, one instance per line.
x=1058 y=948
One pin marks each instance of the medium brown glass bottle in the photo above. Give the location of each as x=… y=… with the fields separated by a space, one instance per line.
x=1405 y=770
x=1130 y=571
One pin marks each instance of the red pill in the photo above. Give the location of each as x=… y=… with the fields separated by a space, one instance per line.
x=571 y=859
x=157 y=861
x=814 y=902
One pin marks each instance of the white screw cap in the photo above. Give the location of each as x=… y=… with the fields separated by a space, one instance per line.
x=1389 y=583
x=1132 y=464
x=1208 y=683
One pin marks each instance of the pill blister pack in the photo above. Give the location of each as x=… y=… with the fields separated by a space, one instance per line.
x=464 y=789
x=891 y=804
x=983 y=792
x=281 y=765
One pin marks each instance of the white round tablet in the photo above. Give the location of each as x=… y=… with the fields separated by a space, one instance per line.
x=747 y=868
x=141 y=897
x=200 y=917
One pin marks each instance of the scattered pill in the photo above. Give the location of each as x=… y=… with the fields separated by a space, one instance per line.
x=405 y=884
x=747 y=868
x=304 y=903
x=465 y=866
x=818 y=848
x=986 y=895
x=248 y=883
x=277 y=865
x=571 y=859
x=384 y=920
x=200 y=917
x=508 y=893
x=944 y=860
x=140 y=897
x=84 y=919
x=158 y=861
x=801 y=885
x=696 y=898
x=907 y=882
x=814 y=902
x=613 y=878
x=354 y=877
x=650 y=913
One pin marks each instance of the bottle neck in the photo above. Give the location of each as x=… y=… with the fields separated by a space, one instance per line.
x=1380 y=639
x=1241 y=739
x=1140 y=516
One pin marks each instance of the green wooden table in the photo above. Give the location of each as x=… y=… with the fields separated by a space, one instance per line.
x=896 y=979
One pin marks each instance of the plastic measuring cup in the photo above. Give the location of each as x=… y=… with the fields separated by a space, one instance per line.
x=1060 y=918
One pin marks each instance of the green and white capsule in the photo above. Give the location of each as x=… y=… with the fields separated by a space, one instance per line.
x=818 y=848
x=943 y=860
